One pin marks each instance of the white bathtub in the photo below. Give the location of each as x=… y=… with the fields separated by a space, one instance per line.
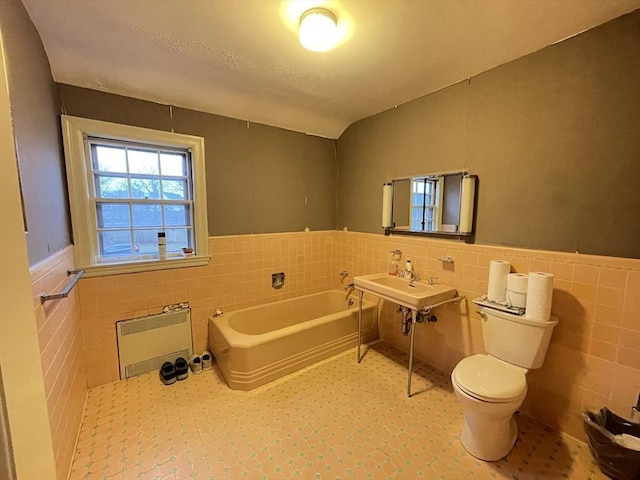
x=257 y=345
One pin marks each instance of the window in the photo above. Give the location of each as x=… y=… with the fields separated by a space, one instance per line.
x=127 y=184
x=426 y=195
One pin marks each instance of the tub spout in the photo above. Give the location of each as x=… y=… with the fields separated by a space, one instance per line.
x=349 y=288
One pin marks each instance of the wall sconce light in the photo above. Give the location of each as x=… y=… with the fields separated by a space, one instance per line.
x=467 y=198
x=387 y=204
x=318 y=30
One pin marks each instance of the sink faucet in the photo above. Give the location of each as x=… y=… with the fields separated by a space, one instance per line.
x=411 y=275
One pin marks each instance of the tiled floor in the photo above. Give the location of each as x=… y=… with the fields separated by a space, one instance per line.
x=335 y=420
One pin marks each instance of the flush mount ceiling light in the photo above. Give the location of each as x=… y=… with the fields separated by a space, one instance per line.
x=318 y=30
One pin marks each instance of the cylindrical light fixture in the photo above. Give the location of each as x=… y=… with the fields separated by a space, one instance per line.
x=387 y=201
x=318 y=30
x=466 y=204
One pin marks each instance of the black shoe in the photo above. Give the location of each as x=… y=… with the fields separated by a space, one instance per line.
x=182 y=368
x=168 y=373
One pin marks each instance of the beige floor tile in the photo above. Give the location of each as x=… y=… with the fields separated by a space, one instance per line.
x=334 y=420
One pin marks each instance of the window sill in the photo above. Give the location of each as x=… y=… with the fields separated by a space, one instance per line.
x=144 y=266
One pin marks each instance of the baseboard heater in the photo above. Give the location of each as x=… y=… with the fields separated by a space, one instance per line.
x=144 y=344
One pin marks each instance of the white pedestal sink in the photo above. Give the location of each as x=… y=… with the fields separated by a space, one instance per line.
x=414 y=295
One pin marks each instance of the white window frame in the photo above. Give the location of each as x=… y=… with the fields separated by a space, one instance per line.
x=83 y=215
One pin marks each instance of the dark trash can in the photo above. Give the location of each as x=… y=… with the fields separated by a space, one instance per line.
x=616 y=461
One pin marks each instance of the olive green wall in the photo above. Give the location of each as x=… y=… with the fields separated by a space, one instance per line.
x=554 y=138
x=36 y=129
x=260 y=179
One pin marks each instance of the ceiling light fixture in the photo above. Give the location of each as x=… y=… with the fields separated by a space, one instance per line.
x=318 y=30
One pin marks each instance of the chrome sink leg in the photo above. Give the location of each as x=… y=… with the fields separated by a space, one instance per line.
x=414 y=315
x=360 y=324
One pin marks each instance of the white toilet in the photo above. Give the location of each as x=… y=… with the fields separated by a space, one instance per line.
x=492 y=386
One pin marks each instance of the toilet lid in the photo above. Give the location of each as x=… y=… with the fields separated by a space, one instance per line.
x=490 y=379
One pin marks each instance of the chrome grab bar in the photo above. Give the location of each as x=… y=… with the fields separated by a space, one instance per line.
x=456 y=299
x=45 y=297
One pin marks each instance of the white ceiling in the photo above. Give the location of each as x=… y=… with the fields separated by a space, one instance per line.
x=241 y=58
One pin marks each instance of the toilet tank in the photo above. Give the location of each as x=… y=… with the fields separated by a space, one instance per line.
x=516 y=339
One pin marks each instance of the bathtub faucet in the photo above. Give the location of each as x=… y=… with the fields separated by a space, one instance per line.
x=349 y=288
x=343 y=274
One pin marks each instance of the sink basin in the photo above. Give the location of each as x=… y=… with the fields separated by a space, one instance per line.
x=400 y=290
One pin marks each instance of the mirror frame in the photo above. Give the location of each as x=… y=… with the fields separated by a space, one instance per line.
x=469 y=206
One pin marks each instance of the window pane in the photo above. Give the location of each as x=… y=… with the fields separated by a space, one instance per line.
x=177 y=238
x=113 y=215
x=416 y=218
x=146 y=241
x=147 y=215
x=177 y=215
x=111 y=187
x=174 y=189
x=143 y=161
x=145 y=188
x=116 y=244
x=174 y=165
x=428 y=213
x=109 y=159
x=428 y=199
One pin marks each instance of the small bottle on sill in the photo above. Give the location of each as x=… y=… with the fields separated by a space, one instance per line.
x=162 y=246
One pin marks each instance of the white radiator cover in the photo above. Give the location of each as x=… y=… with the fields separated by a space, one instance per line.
x=144 y=344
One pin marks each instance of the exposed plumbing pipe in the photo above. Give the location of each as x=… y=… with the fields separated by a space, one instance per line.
x=405 y=325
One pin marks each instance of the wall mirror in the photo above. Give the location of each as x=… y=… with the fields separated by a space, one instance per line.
x=430 y=204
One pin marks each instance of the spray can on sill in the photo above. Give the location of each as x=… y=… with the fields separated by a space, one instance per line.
x=162 y=246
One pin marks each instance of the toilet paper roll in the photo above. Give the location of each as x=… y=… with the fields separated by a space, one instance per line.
x=517 y=289
x=517 y=282
x=539 y=295
x=516 y=299
x=498 y=273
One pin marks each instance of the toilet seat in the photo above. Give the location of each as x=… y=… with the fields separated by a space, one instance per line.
x=489 y=379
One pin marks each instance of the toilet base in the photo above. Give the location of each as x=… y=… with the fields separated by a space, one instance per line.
x=488 y=439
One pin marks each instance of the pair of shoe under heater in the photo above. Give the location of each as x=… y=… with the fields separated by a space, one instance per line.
x=170 y=372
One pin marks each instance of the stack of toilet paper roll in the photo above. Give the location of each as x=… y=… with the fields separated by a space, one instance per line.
x=533 y=291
